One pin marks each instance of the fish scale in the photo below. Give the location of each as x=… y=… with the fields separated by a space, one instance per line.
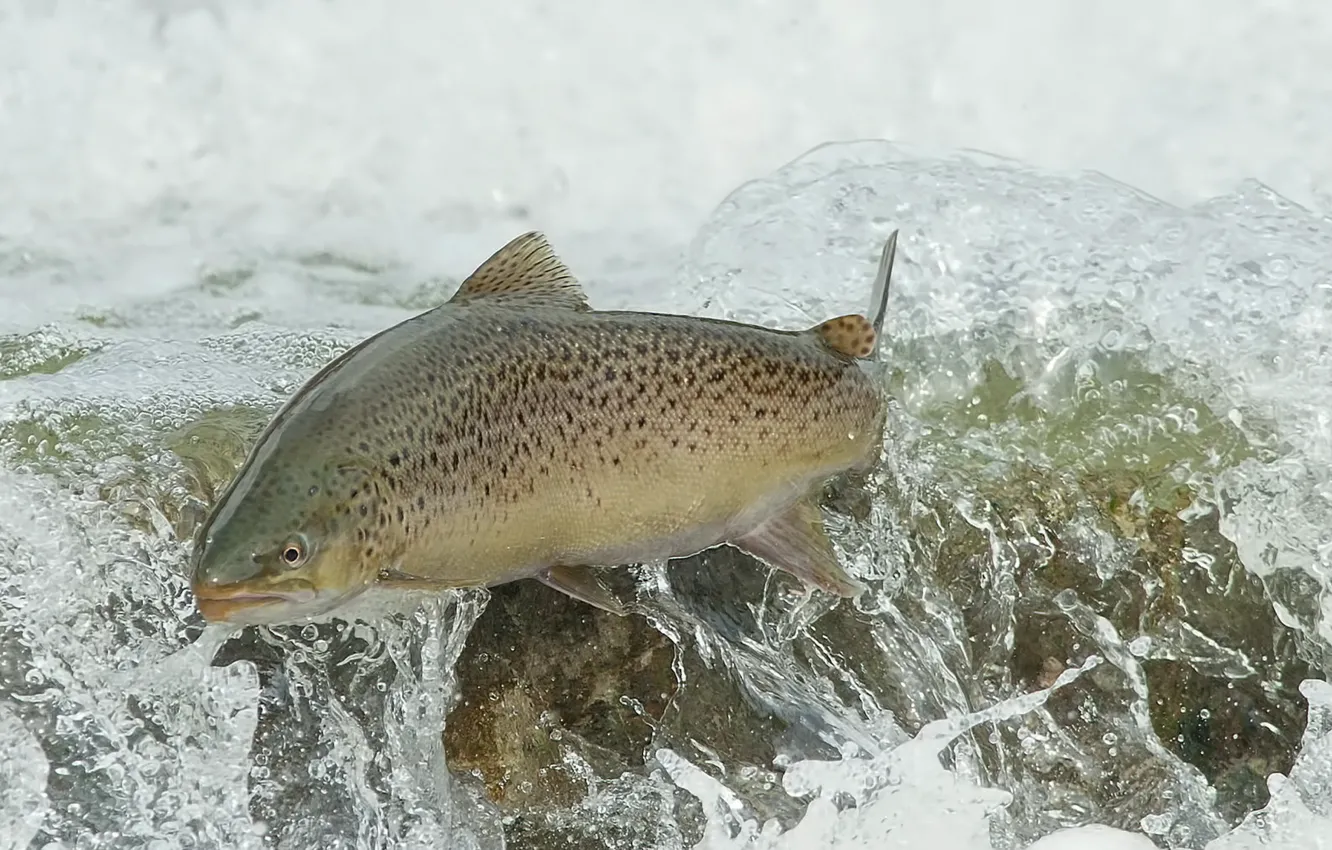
x=513 y=432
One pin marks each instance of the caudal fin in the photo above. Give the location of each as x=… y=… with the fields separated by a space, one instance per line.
x=879 y=296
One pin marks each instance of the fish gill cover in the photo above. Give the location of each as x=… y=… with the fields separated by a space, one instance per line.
x=1097 y=551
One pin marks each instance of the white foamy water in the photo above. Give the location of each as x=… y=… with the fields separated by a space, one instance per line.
x=203 y=202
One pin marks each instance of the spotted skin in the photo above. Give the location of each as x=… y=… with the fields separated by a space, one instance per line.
x=513 y=429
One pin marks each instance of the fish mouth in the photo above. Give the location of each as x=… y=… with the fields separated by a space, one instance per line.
x=223 y=605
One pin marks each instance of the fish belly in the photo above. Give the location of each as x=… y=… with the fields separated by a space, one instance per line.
x=662 y=507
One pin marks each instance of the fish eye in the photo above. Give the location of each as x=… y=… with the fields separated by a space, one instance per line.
x=294 y=552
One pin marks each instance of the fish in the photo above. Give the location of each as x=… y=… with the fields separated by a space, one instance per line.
x=514 y=432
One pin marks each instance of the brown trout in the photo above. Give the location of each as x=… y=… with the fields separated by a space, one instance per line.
x=513 y=432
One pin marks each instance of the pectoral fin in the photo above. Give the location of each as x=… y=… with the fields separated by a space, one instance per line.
x=795 y=542
x=582 y=584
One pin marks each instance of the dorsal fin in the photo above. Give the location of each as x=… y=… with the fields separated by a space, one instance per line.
x=852 y=335
x=525 y=267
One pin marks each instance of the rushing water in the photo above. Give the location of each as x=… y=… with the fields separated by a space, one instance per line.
x=1097 y=550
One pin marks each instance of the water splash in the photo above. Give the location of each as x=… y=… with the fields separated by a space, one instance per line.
x=1106 y=443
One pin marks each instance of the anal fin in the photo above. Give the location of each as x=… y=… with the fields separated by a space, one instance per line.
x=852 y=335
x=796 y=543
x=582 y=584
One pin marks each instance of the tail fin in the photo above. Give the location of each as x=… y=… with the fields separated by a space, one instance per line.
x=879 y=298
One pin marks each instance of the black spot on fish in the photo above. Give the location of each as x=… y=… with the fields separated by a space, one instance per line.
x=395 y=460
x=401 y=514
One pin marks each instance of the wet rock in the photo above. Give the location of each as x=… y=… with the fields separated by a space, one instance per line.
x=543 y=676
x=559 y=698
x=629 y=813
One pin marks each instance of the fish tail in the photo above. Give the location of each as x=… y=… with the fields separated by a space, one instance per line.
x=879 y=298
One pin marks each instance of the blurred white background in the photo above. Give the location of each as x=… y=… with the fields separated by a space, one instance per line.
x=618 y=117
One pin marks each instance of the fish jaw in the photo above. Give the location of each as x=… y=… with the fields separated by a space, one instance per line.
x=240 y=607
x=269 y=606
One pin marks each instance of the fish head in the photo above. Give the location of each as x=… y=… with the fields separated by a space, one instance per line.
x=285 y=542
